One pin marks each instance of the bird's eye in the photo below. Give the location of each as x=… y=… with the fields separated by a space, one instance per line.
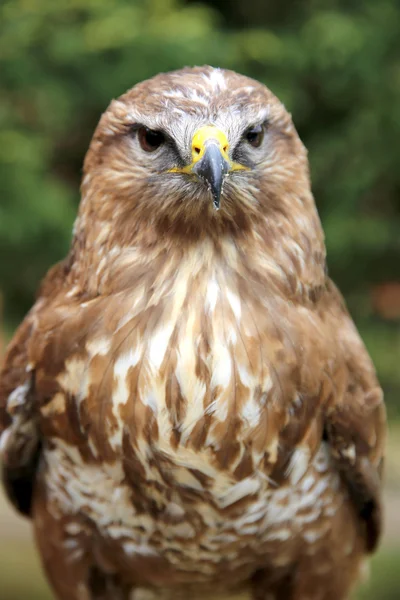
x=149 y=139
x=254 y=136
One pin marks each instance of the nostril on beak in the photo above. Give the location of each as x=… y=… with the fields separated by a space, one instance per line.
x=197 y=149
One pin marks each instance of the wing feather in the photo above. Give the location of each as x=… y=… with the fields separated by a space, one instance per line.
x=356 y=422
x=19 y=432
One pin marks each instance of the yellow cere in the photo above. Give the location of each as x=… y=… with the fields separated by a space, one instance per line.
x=207 y=134
x=203 y=136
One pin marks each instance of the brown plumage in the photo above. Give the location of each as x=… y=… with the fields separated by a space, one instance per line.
x=188 y=411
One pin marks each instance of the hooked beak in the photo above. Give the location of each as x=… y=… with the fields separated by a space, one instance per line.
x=210 y=160
x=212 y=168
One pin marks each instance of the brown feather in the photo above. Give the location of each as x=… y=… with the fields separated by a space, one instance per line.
x=207 y=420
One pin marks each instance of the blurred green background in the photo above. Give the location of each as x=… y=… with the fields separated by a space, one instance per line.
x=336 y=66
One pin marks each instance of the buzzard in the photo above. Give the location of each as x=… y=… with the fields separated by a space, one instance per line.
x=188 y=411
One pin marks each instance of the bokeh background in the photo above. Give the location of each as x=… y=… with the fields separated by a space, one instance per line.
x=336 y=66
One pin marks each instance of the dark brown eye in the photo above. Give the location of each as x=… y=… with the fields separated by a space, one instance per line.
x=149 y=139
x=254 y=136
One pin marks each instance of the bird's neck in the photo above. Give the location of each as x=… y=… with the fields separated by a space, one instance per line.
x=280 y=263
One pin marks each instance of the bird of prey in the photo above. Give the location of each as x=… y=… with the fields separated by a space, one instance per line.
x=187 y=411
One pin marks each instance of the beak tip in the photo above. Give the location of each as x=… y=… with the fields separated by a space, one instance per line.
x=216 y=204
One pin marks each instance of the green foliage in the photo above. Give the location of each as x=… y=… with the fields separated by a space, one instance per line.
x=383 y=582
x=335 y=64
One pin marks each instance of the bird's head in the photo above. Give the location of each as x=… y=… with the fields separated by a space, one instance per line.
x=200 y=149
